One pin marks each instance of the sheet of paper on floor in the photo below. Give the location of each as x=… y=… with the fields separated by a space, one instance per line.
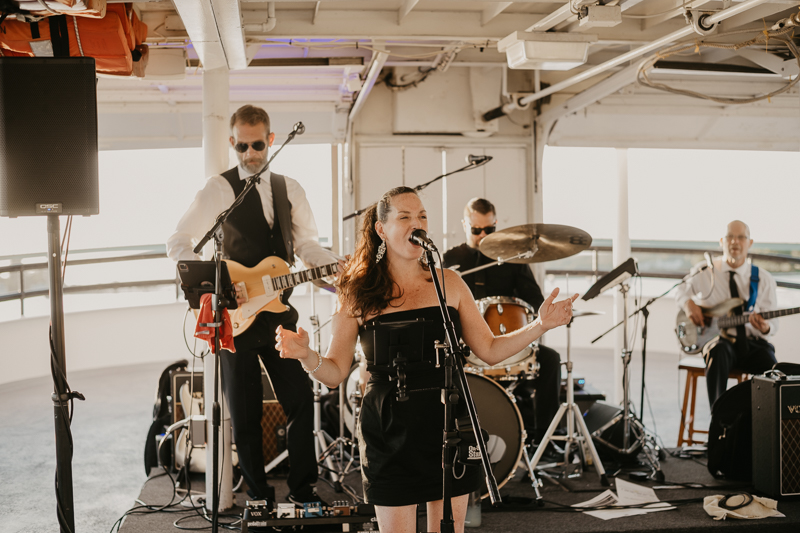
x=627 y=494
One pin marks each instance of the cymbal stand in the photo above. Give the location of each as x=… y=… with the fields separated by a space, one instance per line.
x=500 y=260
x=330 y=452
x=577 y=434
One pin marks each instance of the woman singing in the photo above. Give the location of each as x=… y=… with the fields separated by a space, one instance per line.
x=401 y=441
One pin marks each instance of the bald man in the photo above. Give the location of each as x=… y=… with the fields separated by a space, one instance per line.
x=745 y=348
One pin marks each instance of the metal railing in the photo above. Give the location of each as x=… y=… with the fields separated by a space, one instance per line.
x=781 y=264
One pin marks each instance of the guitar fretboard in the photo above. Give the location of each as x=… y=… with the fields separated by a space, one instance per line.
x=292 y=279
x=738 y=320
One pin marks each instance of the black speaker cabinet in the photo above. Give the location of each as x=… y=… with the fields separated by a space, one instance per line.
x=48 y=136
x=776 y=435
x=606 y=425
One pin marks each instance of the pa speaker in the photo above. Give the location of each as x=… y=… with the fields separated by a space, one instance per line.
x=776 y=435
x=48 y=136
x=606 y=425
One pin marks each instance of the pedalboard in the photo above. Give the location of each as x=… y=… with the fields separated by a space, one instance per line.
x=352 y=518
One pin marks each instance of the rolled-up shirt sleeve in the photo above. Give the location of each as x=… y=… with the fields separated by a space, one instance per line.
x=304 y=229
x=209 y=202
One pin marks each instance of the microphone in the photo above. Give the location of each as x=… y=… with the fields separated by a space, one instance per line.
x=420 y=238
x=710 y=267
x=478 y=159
x=299 y=129
x=709 y=264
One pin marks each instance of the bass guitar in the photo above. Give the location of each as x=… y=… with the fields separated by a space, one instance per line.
x=717 y=320
x=263 y=284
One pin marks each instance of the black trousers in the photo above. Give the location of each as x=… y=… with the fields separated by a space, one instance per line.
x=241 y=383
x=724 y=357
x=538 y=399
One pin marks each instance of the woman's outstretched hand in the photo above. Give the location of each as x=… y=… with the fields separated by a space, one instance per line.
x=292 y=345
x=553 y=314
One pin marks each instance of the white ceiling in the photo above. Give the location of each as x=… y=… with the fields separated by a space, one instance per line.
x=313 y=56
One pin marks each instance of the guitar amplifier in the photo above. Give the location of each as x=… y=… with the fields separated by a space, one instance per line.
x=273 y=419
x=776 y=434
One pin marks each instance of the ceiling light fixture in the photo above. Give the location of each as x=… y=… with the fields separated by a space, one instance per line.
x=545 y=50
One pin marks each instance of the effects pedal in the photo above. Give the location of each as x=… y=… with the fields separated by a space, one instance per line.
x=351 y=518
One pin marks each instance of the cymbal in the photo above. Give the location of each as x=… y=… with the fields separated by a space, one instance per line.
x=540 y=243
x=581 y=312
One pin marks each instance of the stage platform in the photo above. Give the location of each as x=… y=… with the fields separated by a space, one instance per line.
x=520 y=512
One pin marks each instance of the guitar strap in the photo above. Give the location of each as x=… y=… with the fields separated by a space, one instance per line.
x=751 y=302
x=283 y=212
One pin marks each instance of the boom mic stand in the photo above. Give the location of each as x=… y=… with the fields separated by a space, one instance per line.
x=218 y=303
x=450 y=394
x=472 y=160
x=631 y=425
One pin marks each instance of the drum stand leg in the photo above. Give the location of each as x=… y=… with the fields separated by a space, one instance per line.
x=578 y=436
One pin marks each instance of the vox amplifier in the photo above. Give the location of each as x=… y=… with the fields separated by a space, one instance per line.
x=776 y=434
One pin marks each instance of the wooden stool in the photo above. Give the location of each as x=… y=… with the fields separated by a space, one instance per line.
x=695 y=368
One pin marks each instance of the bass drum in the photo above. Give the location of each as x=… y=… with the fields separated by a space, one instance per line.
x=500 y=418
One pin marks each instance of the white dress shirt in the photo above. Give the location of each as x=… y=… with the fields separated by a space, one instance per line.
x=217 y=195
x=766 y=299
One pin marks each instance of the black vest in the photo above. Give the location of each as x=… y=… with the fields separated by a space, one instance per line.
x=248 y=238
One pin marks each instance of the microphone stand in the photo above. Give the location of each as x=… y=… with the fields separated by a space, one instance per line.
x=450 y=394
x=218 y=303
x=421 y=186
x=646 y=313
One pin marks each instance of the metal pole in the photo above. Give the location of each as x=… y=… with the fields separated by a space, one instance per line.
x=621 y=251
x=215 y=154
x=60 y=397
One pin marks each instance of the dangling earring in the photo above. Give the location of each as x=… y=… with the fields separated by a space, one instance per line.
x=381 y=252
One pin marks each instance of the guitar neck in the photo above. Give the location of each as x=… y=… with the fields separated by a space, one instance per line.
x=292 y=279
x=738 y=320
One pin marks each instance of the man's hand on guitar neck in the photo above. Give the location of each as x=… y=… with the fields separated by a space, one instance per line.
x=759 y=323
x=695 y=313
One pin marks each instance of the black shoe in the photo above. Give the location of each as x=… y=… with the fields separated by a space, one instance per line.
x=306 y=495
x=267 y=493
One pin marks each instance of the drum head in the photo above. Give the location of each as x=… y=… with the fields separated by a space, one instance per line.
x=498 y=416
x=505 y=314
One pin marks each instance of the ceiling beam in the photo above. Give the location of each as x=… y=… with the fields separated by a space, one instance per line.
x=785 y=68
x=491 y=12
x=215 y=29
x=405 y=9
x=378 y=60
x=597 y=92
x=553 y=19
x=676 y=10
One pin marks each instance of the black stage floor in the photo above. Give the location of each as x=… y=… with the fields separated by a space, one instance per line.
x=520 y=513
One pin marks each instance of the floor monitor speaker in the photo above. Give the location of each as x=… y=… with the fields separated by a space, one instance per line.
x=48 y=136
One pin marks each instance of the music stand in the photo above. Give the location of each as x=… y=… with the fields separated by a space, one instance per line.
x=197 y=279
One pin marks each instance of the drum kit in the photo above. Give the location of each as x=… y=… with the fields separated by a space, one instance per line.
x=492 y=385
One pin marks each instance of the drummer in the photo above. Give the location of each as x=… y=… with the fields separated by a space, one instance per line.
x=540 y=396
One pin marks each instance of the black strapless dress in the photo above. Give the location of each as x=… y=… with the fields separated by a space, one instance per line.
x=401 y=442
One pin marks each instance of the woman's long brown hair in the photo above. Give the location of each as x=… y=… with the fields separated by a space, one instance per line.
x=365 y=287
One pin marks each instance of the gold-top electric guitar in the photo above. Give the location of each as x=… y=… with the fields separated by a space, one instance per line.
x=263 y=284
x=717 y=320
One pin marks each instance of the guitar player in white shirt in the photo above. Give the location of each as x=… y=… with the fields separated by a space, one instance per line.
x=273 y=220
x=746 y=347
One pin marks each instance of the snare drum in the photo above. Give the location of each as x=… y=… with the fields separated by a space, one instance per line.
x=500 y=418
x=505 y=314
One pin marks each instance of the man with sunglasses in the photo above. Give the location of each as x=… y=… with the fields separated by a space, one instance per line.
x=275 y=219
x=538 y=399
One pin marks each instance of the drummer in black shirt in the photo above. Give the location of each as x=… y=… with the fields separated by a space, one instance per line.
x=538 y=398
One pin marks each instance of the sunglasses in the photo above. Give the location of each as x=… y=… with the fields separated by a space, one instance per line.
x=257 y=146
x=477 y=231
